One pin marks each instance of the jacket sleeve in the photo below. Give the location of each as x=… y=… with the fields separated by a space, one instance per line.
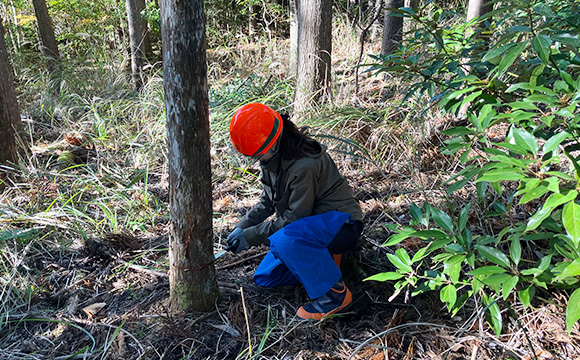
x=258 y=213
x=302 y=191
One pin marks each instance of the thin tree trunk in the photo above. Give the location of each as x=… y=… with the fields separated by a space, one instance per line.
x=314 y=49
x=10 y=123
x=49 y=46
x=135 y=41
x=376 y=32
x=253 y=10
x=192 y=277
x=293 y=38
x=393 y=28
x=475 y=9
x=146 y=41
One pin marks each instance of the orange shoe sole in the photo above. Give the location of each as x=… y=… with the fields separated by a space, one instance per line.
x=305 y=315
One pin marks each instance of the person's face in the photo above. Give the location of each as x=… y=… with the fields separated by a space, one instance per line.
x=269 y=154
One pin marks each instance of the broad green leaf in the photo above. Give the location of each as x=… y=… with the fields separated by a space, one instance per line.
x=480 y=188
x=552 y=183
x=442 y=219
x=516 y=249
x=568 y=78
x=556 y=200
x=416 y=213
x=508 y=286
x=530 y=183
x=459 y=130
x=573 y=310
x=526 y=86
x=511 y=161
x=520 y=28
x=426 y=234
x=514 y=148
x=401 y=260
x=533 y=194
x=397 y=238
x=525 y=140
x=453 y=271
x=560 y=174
x=494 y=255
x=538 y=217
x=509 y=174
x=525 y=105
x=553 y=143
x=448 y=295
x=463 y=217
x=494 y=315
x=439 y=243
x=573 y=269
x=419 y=255
x=510 y=57
x=571 y=222
x=544 y=99
x=526 y=295
x=388 y=276
x=544 y=263
x=486 y=270
x=497 y=52
x=454 y=260
x=541 y=44
x=567 y=39
x=455 y=249
x=497 y=278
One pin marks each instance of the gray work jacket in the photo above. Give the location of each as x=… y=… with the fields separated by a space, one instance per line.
x=293 y=189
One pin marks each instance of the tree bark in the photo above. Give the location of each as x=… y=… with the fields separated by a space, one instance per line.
x=293 y=38
x=192 y=277
x=10 y=122
x=135 y=41
x=314 y=49
x=146 y=42
x=392 y=28
x=49 y=45
x=253 y=12
x=476 y=8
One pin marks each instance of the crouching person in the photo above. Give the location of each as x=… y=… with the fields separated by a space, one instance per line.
x=317 y=218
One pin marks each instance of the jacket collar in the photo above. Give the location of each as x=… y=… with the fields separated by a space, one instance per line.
x=277 y=163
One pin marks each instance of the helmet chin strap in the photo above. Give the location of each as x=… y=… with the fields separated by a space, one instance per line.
x=275 y=152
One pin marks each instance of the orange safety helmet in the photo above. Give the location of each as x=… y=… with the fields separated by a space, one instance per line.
x=255 y=128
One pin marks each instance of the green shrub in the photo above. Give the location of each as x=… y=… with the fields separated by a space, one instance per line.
x=520 y=70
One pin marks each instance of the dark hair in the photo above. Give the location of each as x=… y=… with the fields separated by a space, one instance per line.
x=294 y=143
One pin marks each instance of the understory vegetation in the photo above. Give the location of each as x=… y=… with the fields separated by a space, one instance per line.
x=463 y=148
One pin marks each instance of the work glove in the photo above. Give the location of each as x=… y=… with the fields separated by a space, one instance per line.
x=236 y=241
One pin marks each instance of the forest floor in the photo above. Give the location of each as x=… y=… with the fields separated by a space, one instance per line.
x=85 y=296
x=107 y=298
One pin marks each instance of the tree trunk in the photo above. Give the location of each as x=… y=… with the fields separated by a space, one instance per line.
x=135 y=41
x=475 y=9
x=254 y=11
x=314 y=49
x=192 y=277
x=10 y=122
x=393 y=28
x=376 y=26
x=49 y=46
x=146 y=42
x=293 y=38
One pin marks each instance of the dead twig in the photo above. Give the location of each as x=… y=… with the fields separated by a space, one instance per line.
x=234 y=264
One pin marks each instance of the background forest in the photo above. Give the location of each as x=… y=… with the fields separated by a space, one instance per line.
x=456 y=124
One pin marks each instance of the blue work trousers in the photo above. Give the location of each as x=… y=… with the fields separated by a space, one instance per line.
x=299 y=254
